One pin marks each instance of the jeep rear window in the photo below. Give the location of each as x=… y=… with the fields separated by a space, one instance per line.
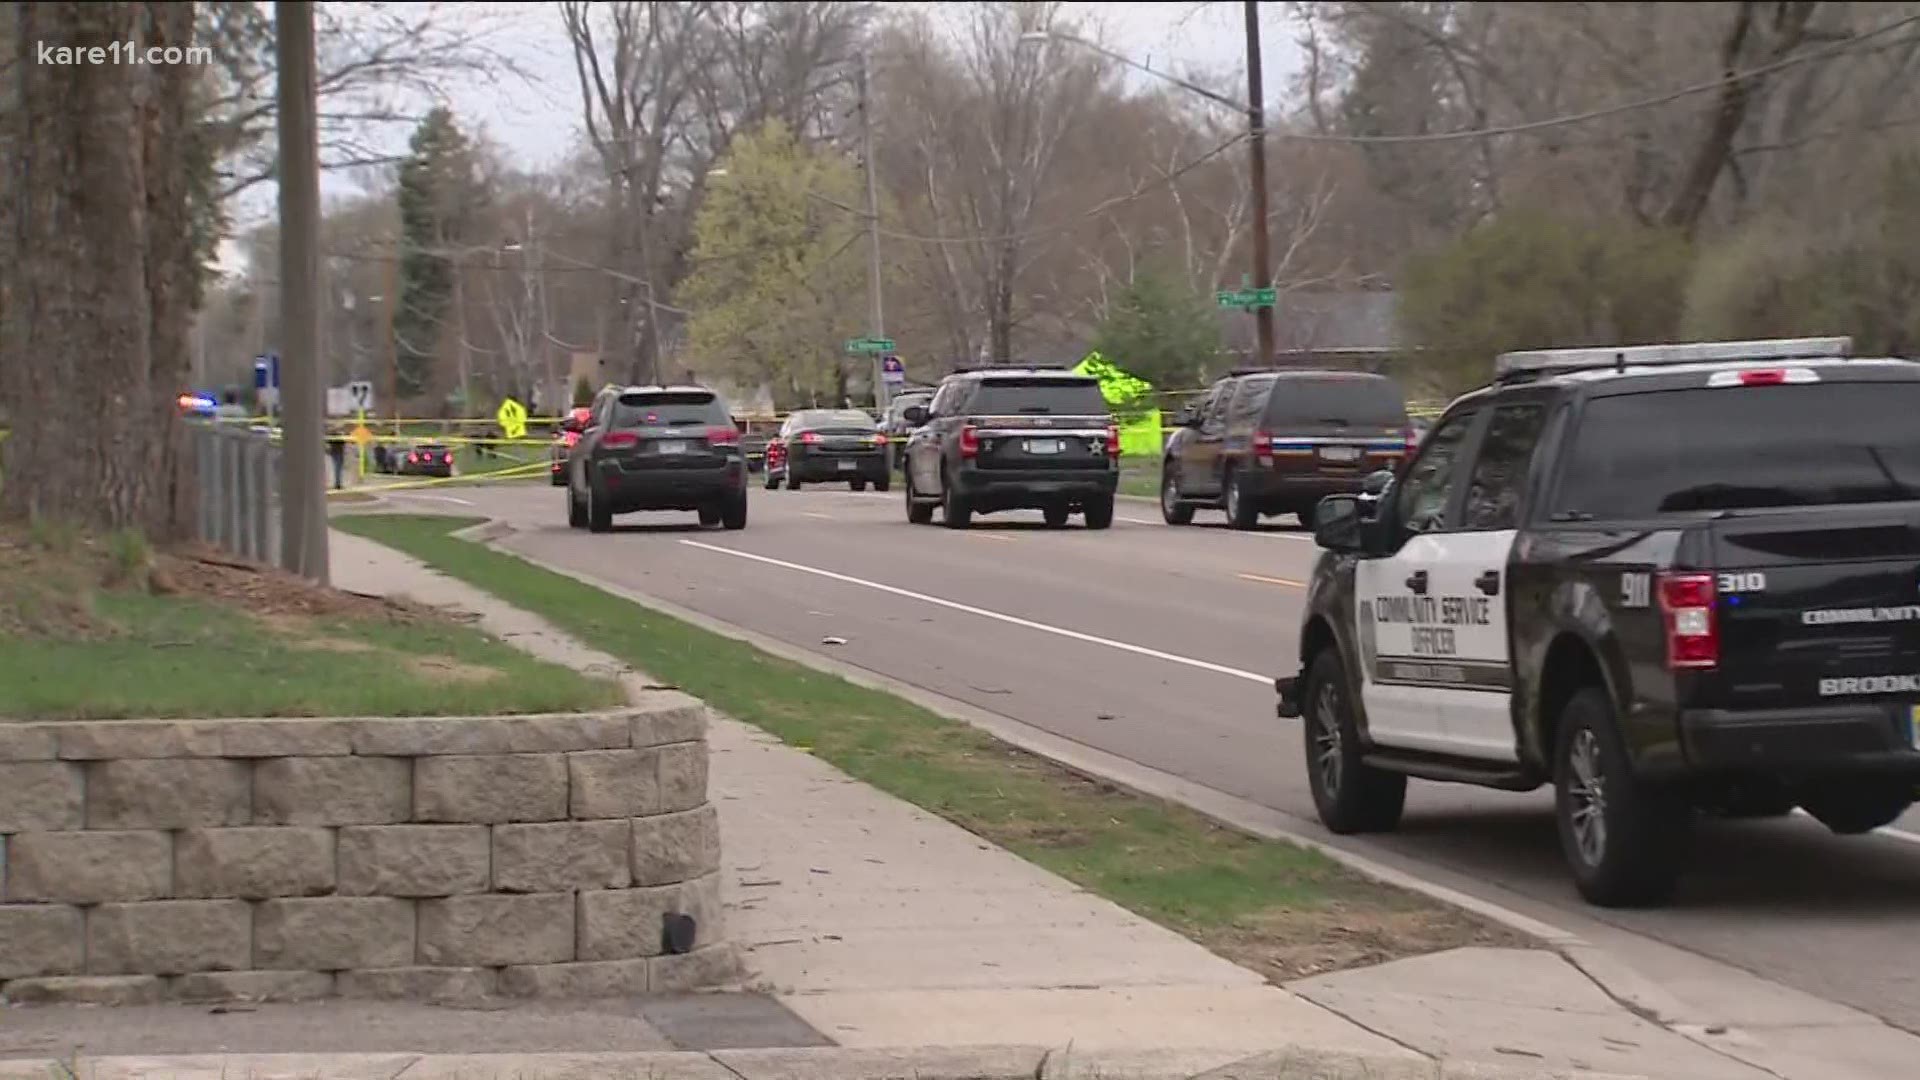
x=1350 y=400
x=1736 y=448
x=1038 y=397
x=671 y=409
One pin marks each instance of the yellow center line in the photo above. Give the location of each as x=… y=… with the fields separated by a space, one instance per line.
x=1273 y=580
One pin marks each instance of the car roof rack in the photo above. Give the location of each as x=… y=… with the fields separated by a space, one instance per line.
x=1539 y=363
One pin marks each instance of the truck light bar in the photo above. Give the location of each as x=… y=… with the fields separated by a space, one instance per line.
x=1555 y=361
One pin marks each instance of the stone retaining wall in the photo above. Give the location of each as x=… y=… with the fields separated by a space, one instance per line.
x=439 y=859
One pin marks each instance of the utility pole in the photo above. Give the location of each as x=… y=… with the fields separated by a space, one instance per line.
x=303 y=496
x=393 y=343
x=876 y=318
x=1257 y=142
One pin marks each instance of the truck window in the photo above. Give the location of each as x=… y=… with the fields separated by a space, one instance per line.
x=1500 y=468
x=1747 y=447
x=1038 y=397
x=1350 y=400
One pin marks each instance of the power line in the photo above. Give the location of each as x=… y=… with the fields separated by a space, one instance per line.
x=1669 y=97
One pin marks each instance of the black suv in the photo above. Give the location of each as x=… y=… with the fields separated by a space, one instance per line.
x=1275 y=442
x=657 y=448
x=1008 y=438
x=1666 y=580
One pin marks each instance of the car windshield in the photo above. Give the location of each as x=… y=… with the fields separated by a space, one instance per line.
x=1038 y=397
x=672 y=409
x=1736 y=448
x=821 y=419
x=1346 y=400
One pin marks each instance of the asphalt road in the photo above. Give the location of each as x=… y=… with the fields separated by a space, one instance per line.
x=1158 y=644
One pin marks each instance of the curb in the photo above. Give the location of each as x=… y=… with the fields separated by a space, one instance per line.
x=1631 y=990
x=810 y=1063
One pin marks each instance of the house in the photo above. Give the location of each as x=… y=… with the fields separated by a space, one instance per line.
x=1342 y=329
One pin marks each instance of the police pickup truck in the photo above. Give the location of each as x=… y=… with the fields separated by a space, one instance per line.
x=1667 y=580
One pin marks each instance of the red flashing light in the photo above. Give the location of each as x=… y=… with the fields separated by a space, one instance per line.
x=620 y=439
x=1763 y=377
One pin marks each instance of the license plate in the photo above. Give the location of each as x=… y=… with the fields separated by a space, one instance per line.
x=1045 y=446
x=848 y=466
x=673 y=447
x=1340 y=453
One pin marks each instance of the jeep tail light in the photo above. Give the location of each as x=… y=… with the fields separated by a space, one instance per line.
x=724 y=435
x=809 y=437
x=969 y=442
x=618 y=440
x=1263 y=446
x=1693 y=631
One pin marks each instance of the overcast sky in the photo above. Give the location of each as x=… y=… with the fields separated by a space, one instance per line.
x=539 y=122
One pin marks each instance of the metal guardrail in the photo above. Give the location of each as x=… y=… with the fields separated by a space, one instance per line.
x=239 y=472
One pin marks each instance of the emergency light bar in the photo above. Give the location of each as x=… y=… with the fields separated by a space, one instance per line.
x=1537 y=362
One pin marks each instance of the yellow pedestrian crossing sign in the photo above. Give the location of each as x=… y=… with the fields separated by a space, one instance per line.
x=513 y=419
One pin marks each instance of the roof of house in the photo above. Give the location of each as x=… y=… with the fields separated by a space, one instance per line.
x=1321 y=321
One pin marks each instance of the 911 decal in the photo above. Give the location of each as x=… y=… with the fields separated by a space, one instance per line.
x=1636 y=590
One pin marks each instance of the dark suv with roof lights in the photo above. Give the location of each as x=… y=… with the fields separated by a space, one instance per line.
x=1666 y=580
x=657 y=448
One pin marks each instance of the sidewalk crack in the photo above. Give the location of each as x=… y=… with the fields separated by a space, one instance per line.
x=724 y=1065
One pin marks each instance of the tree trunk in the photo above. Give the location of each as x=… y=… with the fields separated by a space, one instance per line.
x=77 y=366
x=1715 y=149
x=171 y=263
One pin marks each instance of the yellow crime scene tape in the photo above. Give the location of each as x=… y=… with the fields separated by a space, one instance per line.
x=515 y=472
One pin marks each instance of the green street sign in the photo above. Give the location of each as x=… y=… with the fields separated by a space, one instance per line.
x=870 y=345
x=1246 y=298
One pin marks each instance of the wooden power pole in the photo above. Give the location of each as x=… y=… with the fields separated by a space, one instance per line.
x=303 y=493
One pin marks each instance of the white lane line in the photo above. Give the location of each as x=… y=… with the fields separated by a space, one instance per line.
x=811 y=514
x=1262 y=578
x=435 y=498
x=1014 y=620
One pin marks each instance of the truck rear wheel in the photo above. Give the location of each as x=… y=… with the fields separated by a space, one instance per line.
x=1623 y=838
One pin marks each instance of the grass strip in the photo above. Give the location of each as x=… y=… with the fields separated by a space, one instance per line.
x=1140 y=476
x=1278 y=908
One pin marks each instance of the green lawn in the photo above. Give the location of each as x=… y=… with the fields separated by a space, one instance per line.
x=73 y=649
x=1140 y=476
x=1274 y=906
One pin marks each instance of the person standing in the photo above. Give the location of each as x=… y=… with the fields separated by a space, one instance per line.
x=337 y=453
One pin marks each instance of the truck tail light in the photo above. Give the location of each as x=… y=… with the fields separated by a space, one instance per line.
x=1263 y=447
x=1413 y=440
x=1693 y=630
x=617 y=440
x=724 y=436
x=969 y=442
x=1113 y=440
x=809 y=437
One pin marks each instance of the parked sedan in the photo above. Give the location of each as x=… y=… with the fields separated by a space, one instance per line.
x=427 y=459
x=828 y=446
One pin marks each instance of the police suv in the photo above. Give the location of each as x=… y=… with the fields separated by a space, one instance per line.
x=1667 y=580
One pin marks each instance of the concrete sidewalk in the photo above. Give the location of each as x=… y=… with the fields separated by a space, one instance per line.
x=920 y=950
